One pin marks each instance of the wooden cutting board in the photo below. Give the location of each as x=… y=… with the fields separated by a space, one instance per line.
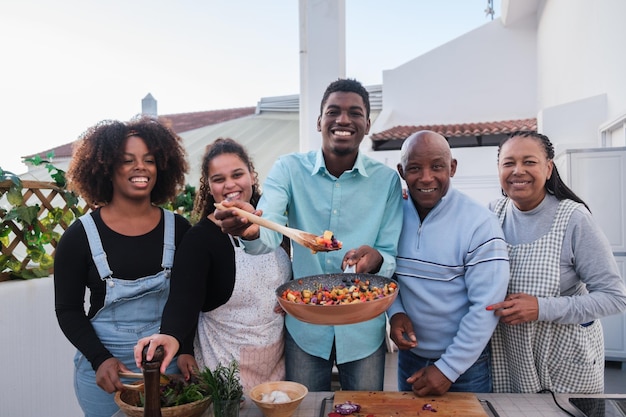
x=406 y=404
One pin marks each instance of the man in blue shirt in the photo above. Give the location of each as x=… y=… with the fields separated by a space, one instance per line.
x=452 y=264
x=339 y=189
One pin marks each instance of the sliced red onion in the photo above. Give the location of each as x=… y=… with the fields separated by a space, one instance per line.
x=347 y=408
x=429 y=407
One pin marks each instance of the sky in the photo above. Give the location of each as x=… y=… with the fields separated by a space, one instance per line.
x=67 y=64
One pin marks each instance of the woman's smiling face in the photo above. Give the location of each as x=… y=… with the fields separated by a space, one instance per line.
x=136 y=174
x=230 y=178
x=524 y=168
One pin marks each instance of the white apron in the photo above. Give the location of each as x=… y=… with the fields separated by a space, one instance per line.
x=533 y=356
x=246 y=328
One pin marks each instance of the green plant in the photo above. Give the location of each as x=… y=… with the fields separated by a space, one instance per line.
x=36 y=225
x=223 y=382
x=183 y=202
x=185 y=199
x=178 y=391
x=33 y=224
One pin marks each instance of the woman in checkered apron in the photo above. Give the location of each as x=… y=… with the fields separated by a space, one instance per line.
x=563 y=278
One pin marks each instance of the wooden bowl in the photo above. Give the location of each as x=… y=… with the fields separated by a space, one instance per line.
x=337 y=313
x=295 y=391
x=127 y=401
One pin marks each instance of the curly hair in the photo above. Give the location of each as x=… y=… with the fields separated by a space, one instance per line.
x=555 y=184
x=204 y=202
x=100 y=149
x=347 y=85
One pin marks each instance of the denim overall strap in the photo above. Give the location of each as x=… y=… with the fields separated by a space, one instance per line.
x=169 y=239
x=100 y=258
x=95 y=244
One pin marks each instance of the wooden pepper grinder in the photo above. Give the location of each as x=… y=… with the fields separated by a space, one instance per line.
x=151 y=378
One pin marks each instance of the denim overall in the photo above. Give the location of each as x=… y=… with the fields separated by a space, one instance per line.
x=132 y=310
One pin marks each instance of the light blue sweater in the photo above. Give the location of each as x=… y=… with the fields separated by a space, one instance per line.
x=450 y=267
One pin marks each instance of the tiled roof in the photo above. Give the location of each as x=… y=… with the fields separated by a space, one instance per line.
x=63 y=151
x=184 y=122
x=458 y=130
x=181 y=122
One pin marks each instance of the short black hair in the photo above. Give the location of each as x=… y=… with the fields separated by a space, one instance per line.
x=347 y=85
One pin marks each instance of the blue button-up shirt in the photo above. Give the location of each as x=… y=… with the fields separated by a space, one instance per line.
x=361 y=207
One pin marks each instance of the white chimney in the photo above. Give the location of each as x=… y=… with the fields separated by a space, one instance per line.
x=149 y=106
x=322 y=61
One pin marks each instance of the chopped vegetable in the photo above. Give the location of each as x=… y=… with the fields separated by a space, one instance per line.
x=347 y=408
x=328 y=240
x=429 y=407
x=352 y=292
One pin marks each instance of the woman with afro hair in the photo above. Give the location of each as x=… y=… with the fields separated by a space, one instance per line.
x=122 y=251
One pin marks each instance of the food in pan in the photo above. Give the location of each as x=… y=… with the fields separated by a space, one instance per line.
x=356 y=291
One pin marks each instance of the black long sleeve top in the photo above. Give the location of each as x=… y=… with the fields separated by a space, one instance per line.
x=130 y=257
x=203 y=279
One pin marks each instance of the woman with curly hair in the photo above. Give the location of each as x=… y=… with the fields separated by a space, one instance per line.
x=122 y=252
x=249 y=326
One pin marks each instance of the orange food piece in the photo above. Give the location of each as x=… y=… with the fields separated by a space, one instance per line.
x=328 y=240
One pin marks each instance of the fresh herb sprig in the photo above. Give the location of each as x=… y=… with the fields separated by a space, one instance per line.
x=178 y=392
x=223 y=382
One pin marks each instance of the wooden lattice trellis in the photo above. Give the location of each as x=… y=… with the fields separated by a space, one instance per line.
x=48 y=196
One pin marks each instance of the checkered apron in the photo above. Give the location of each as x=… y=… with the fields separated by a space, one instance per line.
x=538 y=355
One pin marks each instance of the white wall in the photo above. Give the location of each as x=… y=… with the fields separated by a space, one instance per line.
x=477 y=173
x=574 y=124
x=36 y=358
x=558 y=60
x=581 y=69
x=488 y=74
x=580 y=53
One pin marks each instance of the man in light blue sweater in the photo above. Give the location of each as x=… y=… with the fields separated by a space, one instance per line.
x=452 y=263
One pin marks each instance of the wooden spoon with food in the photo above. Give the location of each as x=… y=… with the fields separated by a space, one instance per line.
x=306 y=239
